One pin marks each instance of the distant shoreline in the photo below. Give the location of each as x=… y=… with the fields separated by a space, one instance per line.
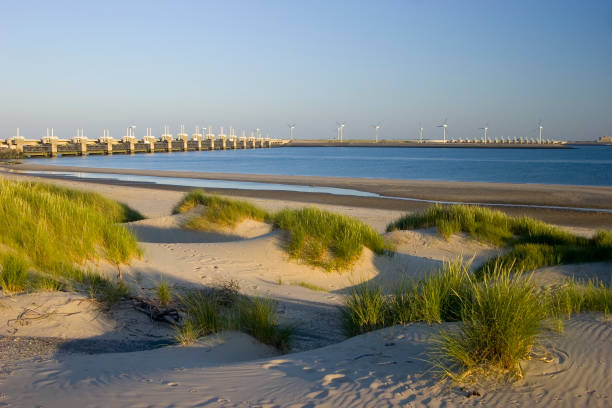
x=424 y=144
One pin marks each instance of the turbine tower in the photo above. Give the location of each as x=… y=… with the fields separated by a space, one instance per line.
x=420 y=134
x=377 y=126
x=443 y=126
x=485 y=130
x=540 y=127
x=291 y=127
x=341 y=130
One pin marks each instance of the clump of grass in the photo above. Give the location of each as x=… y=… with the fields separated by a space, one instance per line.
x=572 y=297
x=13 y=273
x=210 y=311
x=327 y=240
x=258 y=317
x=202 y=312
x=43 y=283
x=435 y=299
x=319 y=238
x=186 y=334
x=500 y=324
x=482 y=223
x=500 y=315
x=58 y=229
x=104 y=290
x=365 y=310
x=533 y=243
x=164 y=293
x=220 y=212
x=190 y=201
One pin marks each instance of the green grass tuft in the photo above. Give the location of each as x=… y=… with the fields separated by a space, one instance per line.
x=164 y=293
x=202 y=312
x=210 y=311
x=500 y=314
x=365 y=310
x=258 y=317
x=501 y=320
x=13 y=273
x=219 y=212
x=533 y=243
x=57 y=230
x=324 y=239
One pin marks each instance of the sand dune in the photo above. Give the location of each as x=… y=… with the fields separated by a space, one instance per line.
x=382 y=368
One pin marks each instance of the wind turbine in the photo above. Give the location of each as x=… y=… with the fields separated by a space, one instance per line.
x=443 y=126
x=291 y=127
x=485 y=129
x=377 y=126
x=540 y=127
x=341 y=130
x=420 y=133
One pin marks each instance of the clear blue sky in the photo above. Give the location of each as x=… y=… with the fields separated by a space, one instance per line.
x=110 y=64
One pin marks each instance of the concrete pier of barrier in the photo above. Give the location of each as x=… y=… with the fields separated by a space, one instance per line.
x=52 y=147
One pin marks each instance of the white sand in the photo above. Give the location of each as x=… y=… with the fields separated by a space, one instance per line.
x=383 y=368
x=379 y=369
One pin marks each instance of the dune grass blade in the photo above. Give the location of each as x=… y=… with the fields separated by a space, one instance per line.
x=328 y=240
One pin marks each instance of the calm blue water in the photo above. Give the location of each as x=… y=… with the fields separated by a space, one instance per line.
x=587 y=165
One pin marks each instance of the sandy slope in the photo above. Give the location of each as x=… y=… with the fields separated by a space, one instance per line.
x=383 y=368
x=379 y=369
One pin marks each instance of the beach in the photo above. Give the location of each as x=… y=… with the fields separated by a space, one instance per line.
x=80 y=354
x=393 y=193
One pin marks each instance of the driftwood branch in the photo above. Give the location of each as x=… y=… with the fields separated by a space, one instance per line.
x=155 y=312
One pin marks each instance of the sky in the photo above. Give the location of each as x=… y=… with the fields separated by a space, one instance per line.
x=265 y=64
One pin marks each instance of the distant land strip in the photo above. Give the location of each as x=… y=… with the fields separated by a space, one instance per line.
x=417 y=144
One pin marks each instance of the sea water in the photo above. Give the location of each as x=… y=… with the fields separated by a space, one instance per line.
x=583 y=165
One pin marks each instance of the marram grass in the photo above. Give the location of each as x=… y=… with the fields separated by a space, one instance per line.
x=316 y=237
x=56 y=231
x=219 y=212
x=211 y=311
x=325 y=239
x=533 y=243
x=500 y=315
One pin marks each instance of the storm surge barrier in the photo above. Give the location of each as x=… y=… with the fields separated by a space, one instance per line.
x=80 y=146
